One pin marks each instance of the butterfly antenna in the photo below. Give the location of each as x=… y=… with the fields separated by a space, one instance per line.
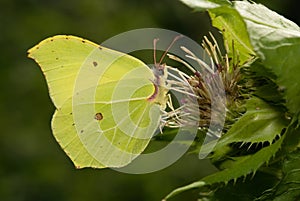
x=171 y=44
x=154 y=50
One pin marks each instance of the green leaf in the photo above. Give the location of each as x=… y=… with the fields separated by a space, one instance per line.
x=261 y=123
x=242 y=167
x=248 y=190
x=264 y=84
x=202 y=5
x=288 y=189
x=292 y=141
x=234 y=31
x=197 y=184
x=276 y=40
x=229 y=21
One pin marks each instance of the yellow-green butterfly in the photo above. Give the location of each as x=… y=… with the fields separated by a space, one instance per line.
x=108 y=104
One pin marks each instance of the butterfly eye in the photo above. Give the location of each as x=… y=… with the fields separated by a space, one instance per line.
x=161 y=72
x=158 y=71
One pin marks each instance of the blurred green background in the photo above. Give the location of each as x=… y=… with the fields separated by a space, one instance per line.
x=32 y=165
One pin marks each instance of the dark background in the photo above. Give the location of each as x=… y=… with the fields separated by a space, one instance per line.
x=32 y=165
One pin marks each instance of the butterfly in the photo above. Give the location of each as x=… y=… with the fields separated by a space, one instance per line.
x=108 y=104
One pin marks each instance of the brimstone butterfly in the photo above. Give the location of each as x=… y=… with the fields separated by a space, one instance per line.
x=108 y=104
